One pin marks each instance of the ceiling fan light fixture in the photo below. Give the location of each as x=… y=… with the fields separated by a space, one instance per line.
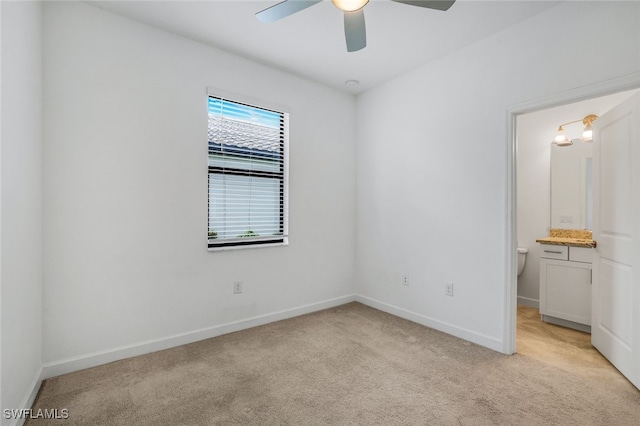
x=354 y=25
x=350 y=5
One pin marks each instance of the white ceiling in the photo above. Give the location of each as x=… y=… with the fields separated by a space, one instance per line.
x=311 y=43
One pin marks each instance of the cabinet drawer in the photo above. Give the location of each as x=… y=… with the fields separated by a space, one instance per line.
x=550 y=251
x=580 y=254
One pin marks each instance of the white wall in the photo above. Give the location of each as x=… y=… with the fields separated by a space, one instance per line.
x=126 y=264
x=535 y=132
x=21 y=213
x=432 y=162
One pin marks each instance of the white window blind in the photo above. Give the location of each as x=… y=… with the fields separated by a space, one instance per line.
x=247 y=174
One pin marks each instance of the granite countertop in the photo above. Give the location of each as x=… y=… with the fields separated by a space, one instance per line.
x=564 y=241
x=569 y=237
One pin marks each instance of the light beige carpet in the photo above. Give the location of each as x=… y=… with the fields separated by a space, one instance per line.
x=351 y=365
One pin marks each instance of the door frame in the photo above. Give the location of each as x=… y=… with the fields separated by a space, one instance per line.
x=603 y=88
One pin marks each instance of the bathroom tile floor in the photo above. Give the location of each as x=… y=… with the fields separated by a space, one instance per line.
x=560 y=346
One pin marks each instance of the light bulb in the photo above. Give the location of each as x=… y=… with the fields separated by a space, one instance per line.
x=587 y=134
x=350 y=5
x=561 y=139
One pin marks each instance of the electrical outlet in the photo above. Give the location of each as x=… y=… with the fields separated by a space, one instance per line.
x=448 y=289
x=405 y=280
x=237 y=287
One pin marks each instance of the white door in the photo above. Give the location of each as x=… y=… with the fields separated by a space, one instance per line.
x=615 y=328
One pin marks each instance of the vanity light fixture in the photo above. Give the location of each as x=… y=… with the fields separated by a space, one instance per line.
x=561 y=138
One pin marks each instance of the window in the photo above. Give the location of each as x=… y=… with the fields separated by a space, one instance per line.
x=247 y=162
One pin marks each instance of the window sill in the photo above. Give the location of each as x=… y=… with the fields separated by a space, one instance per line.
x=249 y=246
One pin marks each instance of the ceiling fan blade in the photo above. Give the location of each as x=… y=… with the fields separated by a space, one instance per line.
x=354 y=30
x=284 y=9
x=430 y=4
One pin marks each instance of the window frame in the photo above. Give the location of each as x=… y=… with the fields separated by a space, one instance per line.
x=261 y=241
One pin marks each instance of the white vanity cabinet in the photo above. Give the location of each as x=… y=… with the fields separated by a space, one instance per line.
x=565 y=286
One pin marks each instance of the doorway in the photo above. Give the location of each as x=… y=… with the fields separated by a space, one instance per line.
x=552 y=193
x=551 y=200
x=602 y=89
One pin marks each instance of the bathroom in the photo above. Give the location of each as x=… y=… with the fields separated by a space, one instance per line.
x=543 y=197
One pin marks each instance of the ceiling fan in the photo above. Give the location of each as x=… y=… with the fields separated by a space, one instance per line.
x=354 y=28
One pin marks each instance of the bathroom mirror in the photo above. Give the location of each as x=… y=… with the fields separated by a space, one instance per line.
x=571 y=185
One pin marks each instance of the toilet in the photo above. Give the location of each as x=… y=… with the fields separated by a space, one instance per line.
x=522 y=259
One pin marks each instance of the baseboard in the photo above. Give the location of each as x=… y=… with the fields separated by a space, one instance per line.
x=70 y=365
x=57 y=368
x=566 y=323
x=527 y=301
x=462 y=333
x=29 y=398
